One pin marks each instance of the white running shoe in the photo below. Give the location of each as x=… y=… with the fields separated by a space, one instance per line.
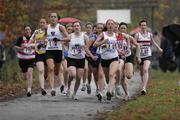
x=143 y=91
x=118 y=91
x=74 y=97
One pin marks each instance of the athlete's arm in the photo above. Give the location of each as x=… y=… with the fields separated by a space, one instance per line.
x=100 y=40
x=66 y=36
x=138 y=50
x=18 y=44
x=156 y=45
x=88 y=45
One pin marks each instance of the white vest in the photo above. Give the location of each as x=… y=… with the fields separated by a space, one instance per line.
x=76 y=47
x=109 y=50
x=51 y=34
x=145 y=42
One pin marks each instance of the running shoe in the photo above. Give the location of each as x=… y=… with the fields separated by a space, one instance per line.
x=143 y=92
x=62 y=88
x=99 y=96
x=74 y=97
x=109 y=95
x=126 y=97
x=43 y=92
x=118 y=91
x=97 y=92
x=88 y=89
x=53 y=93
x=83 y=87
x=28 y=94
x=68 y=93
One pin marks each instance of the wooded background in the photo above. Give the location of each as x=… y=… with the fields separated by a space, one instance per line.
x=14 y=14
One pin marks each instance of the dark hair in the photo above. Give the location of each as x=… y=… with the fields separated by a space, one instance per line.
x=44 y=18
x=89 y=23
x=69 y=25
x=142 y=21
x=77 y=22
x=26 y=25
x=123 y=23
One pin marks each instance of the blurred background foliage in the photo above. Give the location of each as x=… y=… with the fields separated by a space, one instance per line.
x=14 y=14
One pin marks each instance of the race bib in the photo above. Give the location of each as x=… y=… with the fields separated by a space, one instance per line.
x=111 y=46
x=76 y=50
x=28 y=51
x=119 y=45
x=145 y=51
x=41 y=46
x=53 y=45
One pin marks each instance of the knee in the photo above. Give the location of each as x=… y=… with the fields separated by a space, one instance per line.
x=111 y=76
x=41 y=71
x=72 y=74
x=129 y=75
x=145 y=71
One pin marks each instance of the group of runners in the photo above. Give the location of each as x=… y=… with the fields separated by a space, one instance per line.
x=103 y=52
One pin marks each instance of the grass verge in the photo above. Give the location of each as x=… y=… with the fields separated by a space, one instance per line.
x=161 y=103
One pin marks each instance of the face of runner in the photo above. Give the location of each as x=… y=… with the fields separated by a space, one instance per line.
x=99 y=28
x=110 y=25
x=94 y=29
x=89 y=28
x=27 y=31
x=143 y=26
x=43 y=23
x=69 y=29
x=116 y=25
x=53 y=18
x=77 y=27
x=123 y=28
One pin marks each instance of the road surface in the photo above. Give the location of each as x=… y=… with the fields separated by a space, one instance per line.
x=60 y=107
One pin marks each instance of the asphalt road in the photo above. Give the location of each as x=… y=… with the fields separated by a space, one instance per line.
x=60 y=107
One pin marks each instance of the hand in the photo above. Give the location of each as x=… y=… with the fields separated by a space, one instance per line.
x=39 y=46
x=56 y=39
x=160 y=51
x=138 y=60
x=121 y=52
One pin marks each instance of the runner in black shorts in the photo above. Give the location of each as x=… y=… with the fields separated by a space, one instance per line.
x=76 y=58
x=94 y=61
x=40 y=40
x=26 y=57
x=56 y=34
x=145 y=39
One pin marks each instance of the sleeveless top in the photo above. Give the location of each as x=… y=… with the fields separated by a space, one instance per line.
x=28 y=52
x=145 y=43
x=40 y=41
x=109 y=50
x=51 y=34
x=123 y=45
x=76 y=46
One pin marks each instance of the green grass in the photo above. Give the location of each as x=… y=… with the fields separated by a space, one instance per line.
x=161 y=103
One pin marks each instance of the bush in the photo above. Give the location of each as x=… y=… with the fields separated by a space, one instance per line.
x=10 y=72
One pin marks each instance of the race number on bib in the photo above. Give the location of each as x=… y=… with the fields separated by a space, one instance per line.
x=28 y=51
x=41 y=46
x=145 y=51
x=76 y=49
